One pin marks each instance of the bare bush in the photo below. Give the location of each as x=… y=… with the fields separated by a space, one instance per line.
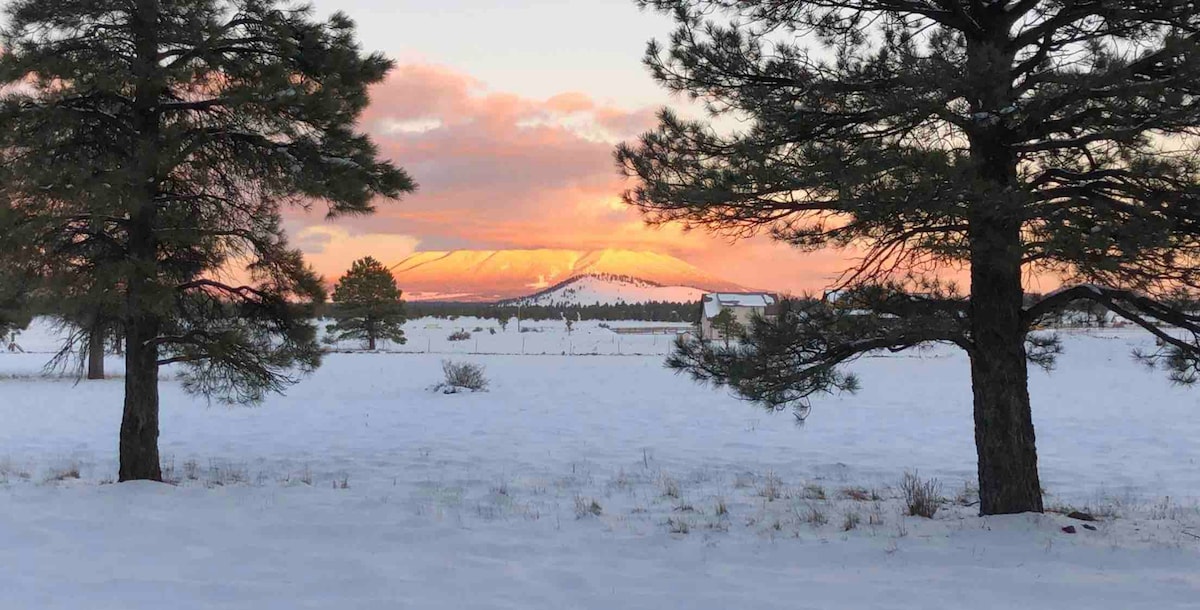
x=587 y=507
x=921 y=497
x=462 y=376
x=459 y=335
x=850 y=521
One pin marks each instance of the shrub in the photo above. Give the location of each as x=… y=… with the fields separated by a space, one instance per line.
x=850 y=521
x=459 y=335
x=462 y=376
x=587 y=507
x=921 y=497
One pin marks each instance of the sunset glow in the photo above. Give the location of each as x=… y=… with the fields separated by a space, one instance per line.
x=502 y=169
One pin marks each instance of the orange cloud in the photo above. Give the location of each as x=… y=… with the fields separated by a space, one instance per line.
x=497 y=170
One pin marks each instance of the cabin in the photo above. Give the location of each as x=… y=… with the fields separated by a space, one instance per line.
x=743 y=305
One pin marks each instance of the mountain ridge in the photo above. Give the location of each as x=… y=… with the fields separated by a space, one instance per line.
x=501 y=275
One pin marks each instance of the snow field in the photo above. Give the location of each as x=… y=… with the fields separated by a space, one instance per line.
x=595 y=482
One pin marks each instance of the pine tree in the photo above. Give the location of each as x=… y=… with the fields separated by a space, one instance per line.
x=368 y=305
x=1009 y=137
x=727 y=325
x=157 y=141
x=18 y=272
x=87 y=311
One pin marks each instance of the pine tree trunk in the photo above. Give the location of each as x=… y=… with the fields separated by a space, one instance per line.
x=371 y=342
x=1004 y=435
x=95 y=349
x=139 y=423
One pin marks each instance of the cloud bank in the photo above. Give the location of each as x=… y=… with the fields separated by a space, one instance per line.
x=497 y=170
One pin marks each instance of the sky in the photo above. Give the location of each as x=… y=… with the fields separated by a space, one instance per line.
x=506 y=114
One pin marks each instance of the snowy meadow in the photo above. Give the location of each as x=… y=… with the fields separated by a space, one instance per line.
x=588 y=476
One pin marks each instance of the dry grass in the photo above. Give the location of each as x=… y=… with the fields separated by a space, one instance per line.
x=678 y=525
x=850 y=521
x=860 y=494
x=68 y=472
x=670 y=487
x=814 y=516
x=721 y=510
x=585 y=507
x=771 y=487
x=922 y=498
x=812 y=491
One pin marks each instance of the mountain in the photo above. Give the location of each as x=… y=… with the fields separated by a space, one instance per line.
x=494 y=275
x=610 y=290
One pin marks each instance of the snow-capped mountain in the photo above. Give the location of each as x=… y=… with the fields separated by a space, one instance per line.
x=610 y=290
x=495 y=275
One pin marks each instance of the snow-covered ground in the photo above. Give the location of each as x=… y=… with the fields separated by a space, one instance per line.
x=594 y=482
x=529 y=337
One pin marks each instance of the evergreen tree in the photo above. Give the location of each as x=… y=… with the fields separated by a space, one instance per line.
x=367 y=305
x=727 y=325
x=157 y=141
x=87 y=310
x=1010 y=137
x=17 y=271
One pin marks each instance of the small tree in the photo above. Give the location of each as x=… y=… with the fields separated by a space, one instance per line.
x=88 y=308
x=727 y=324
x=367 y=305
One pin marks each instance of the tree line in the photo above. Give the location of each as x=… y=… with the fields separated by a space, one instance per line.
x=653 y=311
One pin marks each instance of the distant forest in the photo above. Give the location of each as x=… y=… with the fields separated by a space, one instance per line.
x=655 y=311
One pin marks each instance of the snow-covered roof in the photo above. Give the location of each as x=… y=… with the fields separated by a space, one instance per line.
x=715 y=301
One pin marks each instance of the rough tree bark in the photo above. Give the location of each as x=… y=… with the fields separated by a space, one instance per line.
x=1004 y=435
x=139 y=423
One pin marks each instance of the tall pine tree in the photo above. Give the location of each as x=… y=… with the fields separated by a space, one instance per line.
x=1010 y=137
x=367 y=305
x=157 y=141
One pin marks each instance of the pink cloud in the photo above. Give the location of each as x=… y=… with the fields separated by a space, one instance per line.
x=497 y=170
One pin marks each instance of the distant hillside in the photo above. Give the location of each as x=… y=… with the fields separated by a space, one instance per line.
x=498 y=275
x=604 y=289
